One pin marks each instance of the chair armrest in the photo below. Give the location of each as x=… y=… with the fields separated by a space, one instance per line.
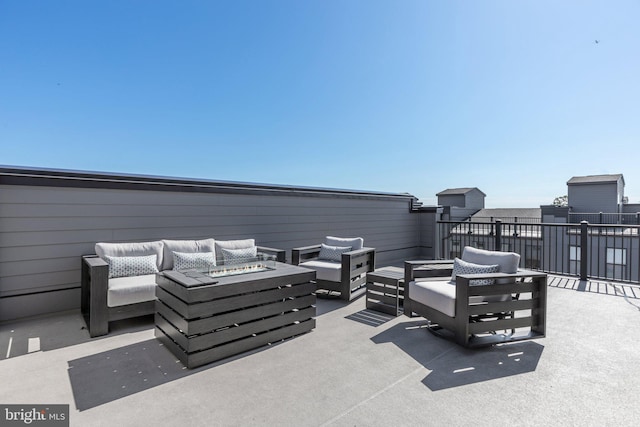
x=464 y=289
x=520 y=274
x=280 y=254
x=355 y=263
x=426 y=268
x=304 y=253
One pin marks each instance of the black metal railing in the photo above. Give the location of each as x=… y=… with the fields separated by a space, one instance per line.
x=605 y=218
x=518 y=219
x=611 y=252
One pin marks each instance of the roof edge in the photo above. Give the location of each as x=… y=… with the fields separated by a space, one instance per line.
x=16 y=175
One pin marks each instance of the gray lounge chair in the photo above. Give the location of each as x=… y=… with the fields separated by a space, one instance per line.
x=473 y=308
x=341 y=264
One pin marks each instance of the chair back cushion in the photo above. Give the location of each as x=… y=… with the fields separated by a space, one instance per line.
x=507 y=262
x=355 y=242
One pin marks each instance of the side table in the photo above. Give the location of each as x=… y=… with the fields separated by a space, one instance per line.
x=385 y=290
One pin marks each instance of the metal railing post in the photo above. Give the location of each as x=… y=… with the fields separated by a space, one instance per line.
x=583 y=250
x=498 y=235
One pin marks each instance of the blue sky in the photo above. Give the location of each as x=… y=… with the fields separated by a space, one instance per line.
x=512 y=97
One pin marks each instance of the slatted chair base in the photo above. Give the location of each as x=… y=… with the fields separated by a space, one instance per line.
x=475 y=341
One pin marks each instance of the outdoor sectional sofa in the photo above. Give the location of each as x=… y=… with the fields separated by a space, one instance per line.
x=119 y=280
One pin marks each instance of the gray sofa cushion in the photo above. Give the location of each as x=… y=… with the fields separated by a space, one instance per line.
x=131 y=249
x=131 y=290
x=232 y=244
x=184 y=246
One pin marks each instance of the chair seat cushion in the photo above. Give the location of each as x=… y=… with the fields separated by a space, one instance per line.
x=131 y=290
x=507 y=261
x=437 y=294
x=441 y=295
x=325 y=270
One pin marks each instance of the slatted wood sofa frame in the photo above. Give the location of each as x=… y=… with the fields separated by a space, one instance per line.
x=94 y=289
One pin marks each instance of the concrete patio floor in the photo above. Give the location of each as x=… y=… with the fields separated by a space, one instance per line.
x=357 y=368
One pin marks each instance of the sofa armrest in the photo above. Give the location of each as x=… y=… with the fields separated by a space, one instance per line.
x=280 y=254
x=304 y=253
x=94 y=287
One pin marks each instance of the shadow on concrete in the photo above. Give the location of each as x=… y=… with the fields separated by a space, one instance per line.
x=326 y=305
x=111 y=375
x=452 y=365
x=58 y=330
x=370 y=317
x=114 y=374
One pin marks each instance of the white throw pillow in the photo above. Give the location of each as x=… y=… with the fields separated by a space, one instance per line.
x=127 y=266
x=464 y=267
x=193 y=260
x=332 y=253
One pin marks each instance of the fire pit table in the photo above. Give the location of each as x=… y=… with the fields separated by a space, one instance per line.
x=203 y=316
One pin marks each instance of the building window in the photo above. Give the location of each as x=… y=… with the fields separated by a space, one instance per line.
x=574 y=259
x=616 y=262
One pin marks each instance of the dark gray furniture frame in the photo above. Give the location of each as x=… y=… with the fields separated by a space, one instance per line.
x=94 y=284
x=385 y=290
x=476 y=325
x=202 y=319
x=355 y=265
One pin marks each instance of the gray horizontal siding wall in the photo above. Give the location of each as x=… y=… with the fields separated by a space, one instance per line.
x=45 y=229
x=593 y=198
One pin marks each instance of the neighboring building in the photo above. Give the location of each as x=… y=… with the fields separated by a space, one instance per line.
x=460 y=203
x=596 y=193
x=597 y=199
